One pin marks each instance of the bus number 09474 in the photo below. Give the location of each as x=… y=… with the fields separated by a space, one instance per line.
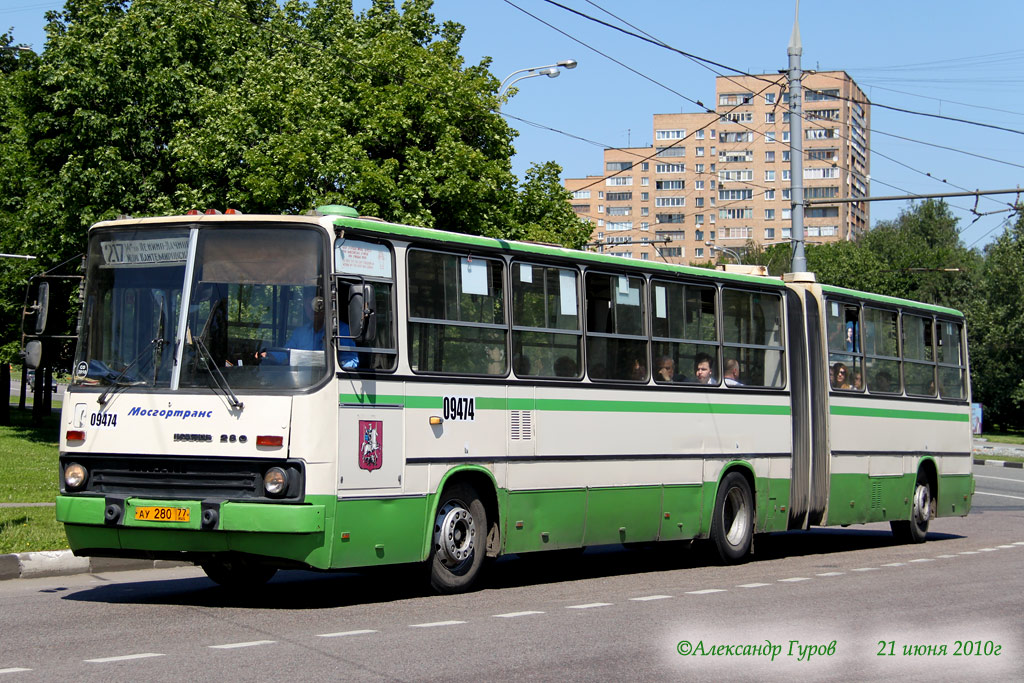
x=459 y=408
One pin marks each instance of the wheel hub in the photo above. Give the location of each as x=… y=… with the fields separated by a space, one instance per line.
x=922 y=504
x=454 y=534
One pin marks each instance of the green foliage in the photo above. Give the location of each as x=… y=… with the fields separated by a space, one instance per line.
x=151 y=107
x=996 y=329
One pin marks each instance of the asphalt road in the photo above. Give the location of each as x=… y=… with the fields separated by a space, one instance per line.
x=610 y=614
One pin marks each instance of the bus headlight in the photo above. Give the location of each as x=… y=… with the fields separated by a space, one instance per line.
x=75 y=476
x=275 y=481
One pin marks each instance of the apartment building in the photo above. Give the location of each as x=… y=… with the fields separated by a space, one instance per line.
x=723 y=180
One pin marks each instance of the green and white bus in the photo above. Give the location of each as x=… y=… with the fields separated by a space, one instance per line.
x=331 y=391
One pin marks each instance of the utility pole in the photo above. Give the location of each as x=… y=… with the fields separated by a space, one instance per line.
x=796 y=155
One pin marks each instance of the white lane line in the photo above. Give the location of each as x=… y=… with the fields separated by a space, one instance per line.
x=947 y=557
x=1018 y=542
x=251 y=643
x=923 y=559
x=1006 y=546
x=968 y=552
x=895 y=564
x=13 y=670
x=831 y=574
x=794 y=579
x=865 y=569
x=997 y=495
x=986 y=550
x=753 y=585
x=706 y=591
x=342 y=634
x=432 y=624
x=512 y=615
x=651 y=597
x=122 y=658
x=985 y=476
x=589 y=605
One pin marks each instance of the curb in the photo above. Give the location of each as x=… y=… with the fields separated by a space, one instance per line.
x=65 y=563
x=1004 y=463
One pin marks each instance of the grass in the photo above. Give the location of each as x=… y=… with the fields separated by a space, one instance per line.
x=1012 y=436
x=25 y=530
x=28 y=474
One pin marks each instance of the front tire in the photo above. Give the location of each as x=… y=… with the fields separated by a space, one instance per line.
x=238 y=573
x=915 y=530
x=732 y=527
x=459 y=540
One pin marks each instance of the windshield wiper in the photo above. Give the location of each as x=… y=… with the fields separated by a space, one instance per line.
x=215 y=373
x=116 y=382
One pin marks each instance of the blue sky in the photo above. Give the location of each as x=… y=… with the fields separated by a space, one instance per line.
x=945 y=57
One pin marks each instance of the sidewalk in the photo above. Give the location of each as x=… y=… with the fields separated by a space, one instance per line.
x=64 y=563
x=982 y=448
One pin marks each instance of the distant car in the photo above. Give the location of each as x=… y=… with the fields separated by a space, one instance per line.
x=32 y=382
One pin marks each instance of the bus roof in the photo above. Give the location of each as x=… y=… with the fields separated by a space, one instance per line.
x=895 y=301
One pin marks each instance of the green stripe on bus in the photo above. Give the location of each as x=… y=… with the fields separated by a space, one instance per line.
x=900 y=414
x=576 y=405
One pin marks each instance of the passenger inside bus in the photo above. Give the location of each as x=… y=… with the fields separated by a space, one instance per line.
x=840 y=376
x=731 y=375
x=702 y=369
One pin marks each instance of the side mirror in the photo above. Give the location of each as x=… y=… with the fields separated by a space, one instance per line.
x=362 y=314
x=41 y=307
x=33 y=353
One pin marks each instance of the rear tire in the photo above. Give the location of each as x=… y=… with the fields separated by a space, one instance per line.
x=238 y=573
x=459 y=540
x=732 y=527
x=915 y=530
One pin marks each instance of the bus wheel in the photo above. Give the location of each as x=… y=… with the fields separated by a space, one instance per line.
x=915 y=530
x=238 y=572
x=460 y=530
x=732 y=527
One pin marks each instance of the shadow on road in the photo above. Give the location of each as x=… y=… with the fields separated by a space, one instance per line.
x=299 y=590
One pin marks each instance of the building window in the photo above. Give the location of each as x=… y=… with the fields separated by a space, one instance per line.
x=581 y=194
x=618 y=181
x=698 y=252
x=769 y=176
x=787 y=194
x=786 y=175
x=769 y=136
x=700 y=151
x=620 y=210
x=732 y=99
x=674 y=134
x=698 y=185
x=769 y=194
x=620 y=225
x=787 y=214
x=669 y=201
x=769 y=117
x=700 y=134
x=671 y=151
x=769 y=98
x=645 y=196
x=600 y=208
x=698 y=168
x=769 y=156
x=600 y=194
x=670 y=185
x=644 y=166
x=645 y=226
x=700 y=202
x=769 y=214
x=672 y=252
x=644 y=256
x=644 y=182
x=699 y=219
x=785 y=156
x=644 y=210
x=698 y=235
x=769 y=233
x=618 y=165
x=670 y=168
x=620 y=196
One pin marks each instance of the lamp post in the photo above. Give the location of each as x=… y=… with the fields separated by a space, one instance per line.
x=549 y=70
x=725 y=250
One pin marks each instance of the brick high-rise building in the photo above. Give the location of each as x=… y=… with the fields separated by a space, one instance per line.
x=723 y=179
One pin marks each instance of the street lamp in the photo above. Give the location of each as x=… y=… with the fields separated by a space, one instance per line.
x=725 y=250
x=549 y=70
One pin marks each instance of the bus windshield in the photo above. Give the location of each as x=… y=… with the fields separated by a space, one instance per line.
x=255 y=315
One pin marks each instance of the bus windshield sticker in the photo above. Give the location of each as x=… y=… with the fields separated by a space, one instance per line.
x=623 y=284
x=659 y=302
x=459 y=408
x=141 y=252
x=371 y=444
x=525 y=273
x=567 y=289
x=352 y=257
x=474 y=276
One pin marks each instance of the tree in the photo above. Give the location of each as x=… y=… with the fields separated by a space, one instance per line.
x=543 y=213
x=996 y=330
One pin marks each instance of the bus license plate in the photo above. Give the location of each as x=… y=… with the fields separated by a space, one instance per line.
x=162 y=514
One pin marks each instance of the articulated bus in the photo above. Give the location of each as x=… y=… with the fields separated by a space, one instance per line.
x=330 y=391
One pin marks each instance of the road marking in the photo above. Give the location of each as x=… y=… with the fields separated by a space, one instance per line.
x=946 y=557
x=753 y=585
x=1018 y=542
x=651 y=597
x=512 y=615
x=589 y=605
x=794 y=579
x=342 y=634
x=437 y=623
x=998 y=495
x=923 y=559
x=968 y=552
x=831 y=574
x=1006 y=546
x=983 y=476
x=12 y=670
x=122 y=658
x=986 y=550
x=706 y=591
x=895 y=564
x=251 y=643
x=865 y=569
